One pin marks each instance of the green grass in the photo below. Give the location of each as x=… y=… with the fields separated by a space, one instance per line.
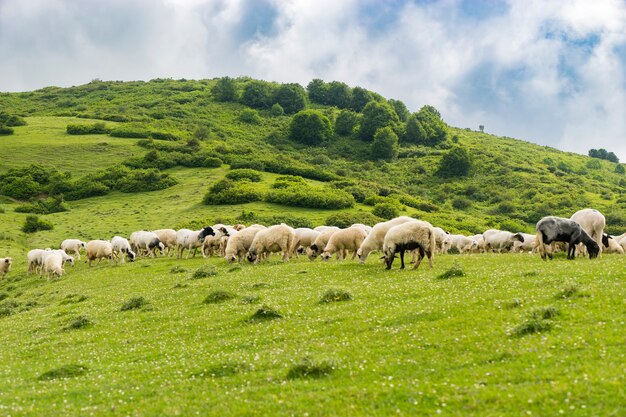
x=407 y=341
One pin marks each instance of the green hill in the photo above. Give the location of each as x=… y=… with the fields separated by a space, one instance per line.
x=512 y=335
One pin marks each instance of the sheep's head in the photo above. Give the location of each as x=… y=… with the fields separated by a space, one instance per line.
x=605 y=239
x=326 y=255
x=82 y=245
x=131 y=255
x=361 y=256
x=593 y=249
x=8 y=263
x=230 y=259
x=519 y=237
x=252 y=256
x=207 y=231
x=313 y=252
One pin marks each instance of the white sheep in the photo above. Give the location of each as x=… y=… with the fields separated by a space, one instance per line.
x=53 y=264
x=461 y=243
x=500 y=240
x=345 y=240
x=304 y=239
x=168 y=238
x=99 y=249
x=5 y=266
x=35 y=260
x=237 y=247
x=528 y=245
x=121 y=249
x=277 y=238
x=145 y=243
x=73 y=246
x=365 y=227
x=592 y=222
x=440 y=237
x=320 y=242
x=214 y=242
x=191 y=239
x=611 y=244
x=481 y=243
x=414 y=235
x=374 y=240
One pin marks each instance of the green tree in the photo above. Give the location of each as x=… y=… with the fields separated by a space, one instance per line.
x=425 y=127
x=360 y=98
x=338 y=94
x=225 y=89
x=291 y=97
x=258 y=94
x=385 y=144
x=277 y=110
x=346 y=122
x=318 y=91
x=310 y=127
x=376 y=115
x=619 y=169
x=400 y=108
x=455 y=163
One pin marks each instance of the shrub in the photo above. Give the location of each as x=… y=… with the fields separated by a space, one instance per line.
x=277 y=110
x=461 y=203
x=291 y=97
x=97 y=128
x=85 y=188
x=286 y=165
x=308 y=369
x=619 y=169
x=47 y=206
x=145 y=180
x=593 y=164
x=265 y=313
x=225 y=89
x=34 y=224
x=134 y=304
x=79 y=323
x=250 y=116
x=21 y=188
x=218 y=297
x=164 y=136
x=212 y=162
x=347 y=219
x=455 y=163
x=255 y=164
x=230 y=192
x=376 y=115
x=385 y=211
x=126 y=132
x=6 y=130
x=258 y=94
x=335 y=295
x=312 y=197
x=310 y=127
x=204 y=272
x=7 y=119
x=240 y=174
x=385 y=144
x=285 y=181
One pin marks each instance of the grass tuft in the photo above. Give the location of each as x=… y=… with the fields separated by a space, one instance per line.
x=455 y=271
x=530 y=326
x=79 y=322
x=73 y=299
x=4 y=295
x=218 y=296
x=204 y=272
x=234 y=268
x=177 y=269
x=180 y=285
x=134 y=303
x=250 y=299
x=265 y=313
x=545 y=313
x=220 y=370
x=260 y=285
x=65 y=371
x=514 y=303
x=569 y=291
x=308 y=369
x=334 y=295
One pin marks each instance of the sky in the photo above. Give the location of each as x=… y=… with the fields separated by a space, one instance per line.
x=548 y=72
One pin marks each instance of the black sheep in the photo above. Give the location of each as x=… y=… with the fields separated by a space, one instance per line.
x=557 y=229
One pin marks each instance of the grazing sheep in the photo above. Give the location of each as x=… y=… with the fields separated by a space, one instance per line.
x=121 y=249
x=557 y=229
x=99 y=249
x=611 y=245
x=481 y=243
x=73 y=246
x=5 y=266
x=144 y=243
x=304 y=239
x=345 y=240
x=277 y=238
x=238 y=245
x=168 y=238
x=35 y=260
x=320 y=242
x=324 y=228
x=592 y=222
x=500 y=240
x=53 y=264
x=527 y=245
x=374 y=240
x=440 y=237
x=213 y=243
x=191 y=239
x=365 y=227
x=461 y=243
x=407 y=237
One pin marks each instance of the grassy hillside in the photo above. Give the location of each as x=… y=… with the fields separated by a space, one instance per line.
x=512 y=336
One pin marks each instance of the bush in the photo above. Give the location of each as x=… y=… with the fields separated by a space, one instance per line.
x=385 y=211
x=34 y=224
x=311 y=197
x=225 y=89
x=376 y=115
x=619 y=169
x=20 y=188
x=134 y=304
x=212 y=162
x=47 y=206
x=7 y=119
x=255 y=164
x=461 y=203
x=164 y=136
x=240 y=174
x=344 y=220
x=285 y=181
x=130 y=133
x=277 y=110
x=97 y=128
x=385 y=144
x=6 y=130
x=141 y=180
x=85 y=188
x=455 y=163
x=291 y=97
x=286 y=165
x=230 y=192
x=250 y=116
x=310 y=127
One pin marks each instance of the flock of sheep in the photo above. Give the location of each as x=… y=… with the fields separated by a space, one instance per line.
x=584 y=230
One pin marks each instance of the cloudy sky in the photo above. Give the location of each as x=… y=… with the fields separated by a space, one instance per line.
x=550 y=72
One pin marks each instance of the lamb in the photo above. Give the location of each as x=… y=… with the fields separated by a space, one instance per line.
x=5 y=266
x=277 y=238
x=304 y=239
x=143 y=243
x=592 y=222
x=168 y=238
x=345 y=240
x=35 y=260
x=500 y=240
x=527 y=245
x=481 y=243
x=461 y=243
x=374 y=240
x=320 y=242
x=611 y=245
x=365 y=227
x=73 y=246
x=53 y=264
x=440 y=237
x=410 y=236
x=212 y=243
x=557 y=229
x=238 y=245
x=99 y=249
x=190 y=239
x=121 y=248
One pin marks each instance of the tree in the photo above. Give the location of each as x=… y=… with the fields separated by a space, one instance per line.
x=455 y=163
x=346 y=122
x=202 y=132
x=400 y=108
x=385 y=144
x=376 y=115
x=425 y=127
x=318 y=91
x=360 y=97
x=603 y=154
x=291 y=97
x=225 y=89
x=619 y=169
x=338 y=94
x=310 y=127
x=258 y=94
x=277 y=110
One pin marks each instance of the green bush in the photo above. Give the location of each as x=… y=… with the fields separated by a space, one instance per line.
x=311 y=197
x=461 y=203
x=347 y=219
x=286 y=181
x=619 y=169
x=310 y=127
x=6 y=130
x=255 y=164
x=286 y=165
x=230 y=192
x=164 y=136
x=34 y=224
x=97 y=128
x=7 y=119
x=212 y=162
x=84 y=188
x=247 y=174
x=145 y=180
x=385 y=144
x=277 y=110
x=385 y=211
x=455 y=163
x=21 y=188
x=49 y=205
x=250 y=116
x=124 y=132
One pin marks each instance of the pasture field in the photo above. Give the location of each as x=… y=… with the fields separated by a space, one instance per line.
x=408 y=343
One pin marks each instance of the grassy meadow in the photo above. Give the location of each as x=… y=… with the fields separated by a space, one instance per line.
x=477 y=335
